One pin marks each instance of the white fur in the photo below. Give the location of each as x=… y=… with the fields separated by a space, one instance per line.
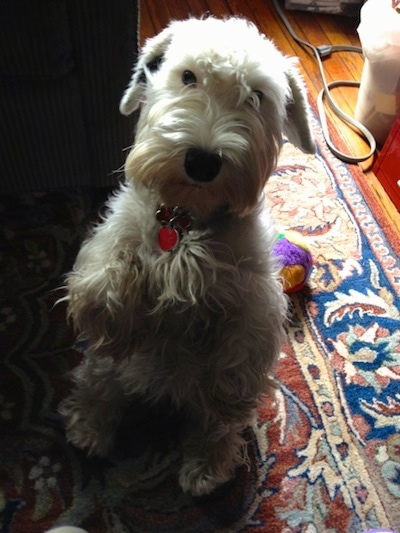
x=200 y=326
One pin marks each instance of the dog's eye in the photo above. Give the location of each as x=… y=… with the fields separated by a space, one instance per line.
x=259 y=95
x=189 y=78
x=255 y=99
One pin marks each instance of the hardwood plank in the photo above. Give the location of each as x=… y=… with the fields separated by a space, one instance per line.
x=219 y=8
x=199 y=8
x=159 y=17
x=146 y=26
x=318 y=29
x=179 y=9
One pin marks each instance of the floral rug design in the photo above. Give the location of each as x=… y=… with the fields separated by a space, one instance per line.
x=325 y=455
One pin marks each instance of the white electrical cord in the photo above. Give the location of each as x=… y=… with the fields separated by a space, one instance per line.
x=323 y=51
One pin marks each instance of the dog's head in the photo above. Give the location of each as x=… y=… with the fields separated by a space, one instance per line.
x=215 y=97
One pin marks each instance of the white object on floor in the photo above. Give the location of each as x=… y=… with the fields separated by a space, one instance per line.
x=67 y=529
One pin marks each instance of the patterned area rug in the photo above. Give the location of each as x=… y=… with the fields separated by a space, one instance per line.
x=325 y=456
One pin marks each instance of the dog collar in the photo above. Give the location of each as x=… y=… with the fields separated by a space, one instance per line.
x=175 y=222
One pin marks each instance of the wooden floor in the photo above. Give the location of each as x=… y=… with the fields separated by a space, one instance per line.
x=315 y=28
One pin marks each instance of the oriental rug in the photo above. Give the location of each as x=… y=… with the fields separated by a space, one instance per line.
x=325 y=454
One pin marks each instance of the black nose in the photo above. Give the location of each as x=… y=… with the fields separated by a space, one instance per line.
x=201 y=165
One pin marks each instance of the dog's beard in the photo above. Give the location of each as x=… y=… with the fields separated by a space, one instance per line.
x=248 y=149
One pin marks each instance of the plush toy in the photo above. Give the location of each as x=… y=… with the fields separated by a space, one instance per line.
x=296 y=260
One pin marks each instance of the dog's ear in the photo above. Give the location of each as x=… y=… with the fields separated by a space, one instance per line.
x=148 y=62
x=297 y=127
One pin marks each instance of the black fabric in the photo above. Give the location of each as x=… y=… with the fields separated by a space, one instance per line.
x=64 y=65
x=35 y=39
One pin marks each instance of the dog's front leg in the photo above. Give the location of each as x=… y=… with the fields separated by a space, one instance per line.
x=214 y=445
x=248 y=345
x=95 y=405
x=211 y=455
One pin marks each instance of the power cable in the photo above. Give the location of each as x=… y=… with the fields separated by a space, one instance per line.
x=319 y=53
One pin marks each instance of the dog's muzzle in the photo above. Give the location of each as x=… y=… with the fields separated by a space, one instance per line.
x=201 y=165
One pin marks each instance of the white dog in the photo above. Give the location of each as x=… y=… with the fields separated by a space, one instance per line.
x=176 y=290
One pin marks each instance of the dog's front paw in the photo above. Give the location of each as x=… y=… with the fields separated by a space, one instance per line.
x=86 y=438
x=82 y=433
x=198 y=478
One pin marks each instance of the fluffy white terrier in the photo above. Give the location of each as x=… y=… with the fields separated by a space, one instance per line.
x=176 y=291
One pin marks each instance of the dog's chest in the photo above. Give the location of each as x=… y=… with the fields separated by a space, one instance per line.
x=173 y=356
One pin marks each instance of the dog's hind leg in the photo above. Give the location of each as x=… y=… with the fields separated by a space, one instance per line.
x=95 y=406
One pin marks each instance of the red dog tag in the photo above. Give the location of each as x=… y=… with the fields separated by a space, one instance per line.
x=168 y=238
